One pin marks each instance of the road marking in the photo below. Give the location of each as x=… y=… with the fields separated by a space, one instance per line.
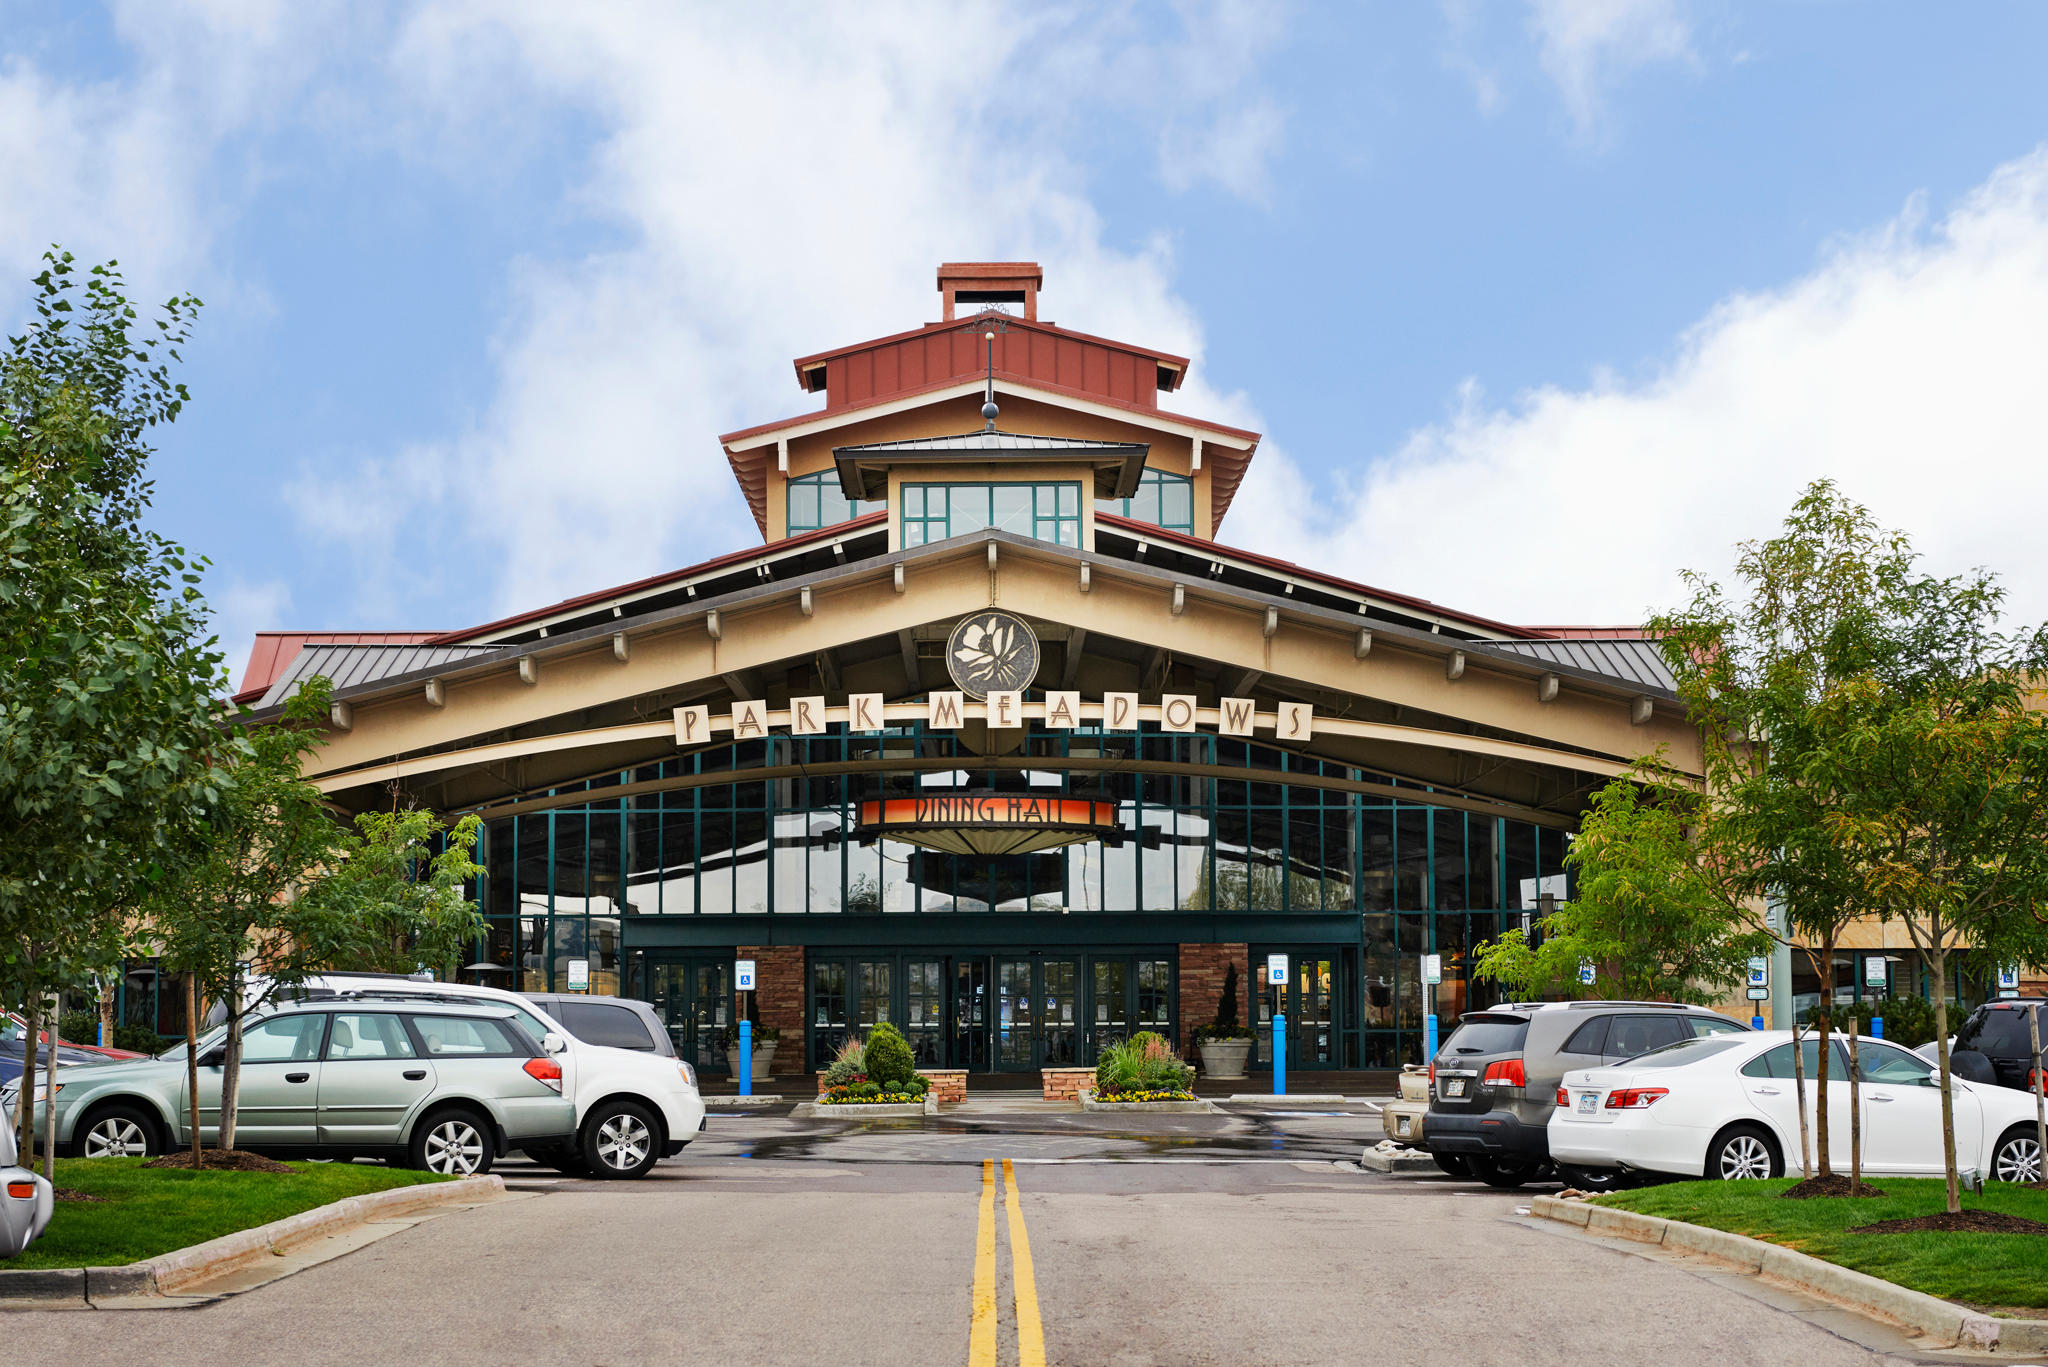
x=1030 y=1333
x=981 y=1332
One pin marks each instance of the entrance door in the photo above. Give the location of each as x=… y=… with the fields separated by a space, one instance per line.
x=924 y=1010
x=1311 y=1025
x=971 y=1014
x=694 y=999
x=1038 y=1013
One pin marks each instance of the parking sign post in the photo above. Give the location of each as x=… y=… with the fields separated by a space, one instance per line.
x=743 y=983
x=1276 y=978
x=1432 y=974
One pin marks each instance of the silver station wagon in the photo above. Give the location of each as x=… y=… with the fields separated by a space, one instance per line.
x=439 y=1086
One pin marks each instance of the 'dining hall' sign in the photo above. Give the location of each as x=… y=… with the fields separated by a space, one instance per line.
x=987 y=823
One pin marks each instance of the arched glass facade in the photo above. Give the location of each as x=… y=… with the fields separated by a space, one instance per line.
x=754 y=842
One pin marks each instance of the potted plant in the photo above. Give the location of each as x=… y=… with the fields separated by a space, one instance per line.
x=766 y=1037
x=1225 y=1046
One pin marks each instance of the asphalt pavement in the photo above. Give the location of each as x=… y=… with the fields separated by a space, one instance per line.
x=1042 y=1237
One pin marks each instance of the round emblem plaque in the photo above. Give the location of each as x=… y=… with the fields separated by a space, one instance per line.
x=992 y=651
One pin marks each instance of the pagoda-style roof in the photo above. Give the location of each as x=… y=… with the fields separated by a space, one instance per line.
x=864 y=470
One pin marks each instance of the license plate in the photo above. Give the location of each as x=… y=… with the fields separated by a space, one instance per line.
x=1587 y=1101
x=1454 y=1086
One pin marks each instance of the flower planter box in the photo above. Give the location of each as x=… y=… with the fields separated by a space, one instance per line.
x=1065 y=1084
x=1194 y=1107
x=1225 y=1058
x=948 y=1084
x=862 y=1110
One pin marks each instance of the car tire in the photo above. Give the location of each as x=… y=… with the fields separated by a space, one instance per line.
x=1742 y=1153
x=1456 y=1164
x=1597 y=1181
x=621 y=1139
x=117 y=1132
x=1505 y=1173
x=2018 y=1156
x=455 y=1143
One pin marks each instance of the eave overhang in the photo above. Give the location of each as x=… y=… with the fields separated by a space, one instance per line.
x=1116 y=466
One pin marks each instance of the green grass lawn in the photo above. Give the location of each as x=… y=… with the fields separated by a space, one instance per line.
x=2002 y=1271
x=148 y=1211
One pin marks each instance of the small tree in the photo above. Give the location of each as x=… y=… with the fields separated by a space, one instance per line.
x=1653 y=911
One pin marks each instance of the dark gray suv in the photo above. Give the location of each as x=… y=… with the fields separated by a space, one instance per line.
x=1493 y=1083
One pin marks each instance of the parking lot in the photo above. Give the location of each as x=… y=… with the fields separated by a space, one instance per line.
x=1237 y=1238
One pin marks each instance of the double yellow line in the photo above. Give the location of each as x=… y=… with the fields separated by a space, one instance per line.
x=981 y=1333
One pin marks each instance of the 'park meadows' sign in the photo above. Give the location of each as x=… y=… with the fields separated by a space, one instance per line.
x=1001 y=711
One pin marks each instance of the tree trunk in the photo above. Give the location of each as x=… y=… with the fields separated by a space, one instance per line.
x=231 y=1070
x=49 y=1092
x=2040 y=1088
x=1938 y=964
x=192 y=1059
x=1825 y=972
x=24 y=1104
x=1855 y=1111
x=1799 y=1098
x=106 y=1014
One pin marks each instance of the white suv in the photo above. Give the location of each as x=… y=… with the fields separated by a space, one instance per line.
x=632 y=1108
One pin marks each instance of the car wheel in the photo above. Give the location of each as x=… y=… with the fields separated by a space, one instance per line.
x=118 y=1132
x=620 y=1139
x=2018 y=1157
x=455 y=1143
x=1743 y=1154
x=1453 y=1163
x=1594 y=1180
x=1505 y=1173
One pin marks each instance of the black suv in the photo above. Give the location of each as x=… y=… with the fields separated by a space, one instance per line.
x=1994 y=1044
x=1493 y=1083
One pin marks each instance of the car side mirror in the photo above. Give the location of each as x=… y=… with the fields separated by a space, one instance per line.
x=553 y=1043
x=213 y=1058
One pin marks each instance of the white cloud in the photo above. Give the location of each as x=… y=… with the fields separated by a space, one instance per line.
x=240 y=610
x=1907 y=366
x=1583 y=44
x=774 y=186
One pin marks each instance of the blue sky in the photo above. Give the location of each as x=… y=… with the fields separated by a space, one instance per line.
x=1536 y=303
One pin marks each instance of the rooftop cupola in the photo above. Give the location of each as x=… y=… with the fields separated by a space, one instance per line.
x=968 y=287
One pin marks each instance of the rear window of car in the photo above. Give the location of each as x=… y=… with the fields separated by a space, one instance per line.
x=1589 y=1038
x=1686 y=1051
x=1778 y=1062
x=1487 y=1035
x=466 y=1037
x=1998 y=1030
x=1630 y=1036
x=603 y=1023
x=1716 y=1025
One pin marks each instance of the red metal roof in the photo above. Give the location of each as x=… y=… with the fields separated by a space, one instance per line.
x=275 y=650
x=1025 y=348
x=875 y=518
x=1155 y=533
x=1596 y=633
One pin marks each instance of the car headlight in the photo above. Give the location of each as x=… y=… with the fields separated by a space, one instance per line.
x=12 y=1093
x=689 y=1074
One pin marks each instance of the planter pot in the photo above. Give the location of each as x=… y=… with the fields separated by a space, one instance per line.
x=764 y=1058
x=1225 y=1058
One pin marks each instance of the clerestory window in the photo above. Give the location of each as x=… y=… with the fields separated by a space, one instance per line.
x=1164 y=499
x=1049 y=512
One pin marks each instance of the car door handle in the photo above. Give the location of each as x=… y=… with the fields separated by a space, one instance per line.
x=296 y=1077
x=1880 y=1096
x=415 y=1075
x=1765 y=1091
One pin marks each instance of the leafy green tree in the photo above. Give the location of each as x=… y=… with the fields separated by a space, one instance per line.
x=282 y=891
x=1651 y=910
x=108 y=677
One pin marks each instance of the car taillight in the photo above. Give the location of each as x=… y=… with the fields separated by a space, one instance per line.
x=22 y=1191
x=1432 y=1072
x=545 y=1070
x=1563 y=1097
x=1505 y=1072
x=2033 y=1079
x=1635 y=1098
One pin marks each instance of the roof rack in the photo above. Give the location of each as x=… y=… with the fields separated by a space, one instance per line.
x=441 y=998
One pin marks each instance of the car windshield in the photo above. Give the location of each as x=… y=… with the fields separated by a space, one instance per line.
x=1486 y=1035
x=1684 y=1052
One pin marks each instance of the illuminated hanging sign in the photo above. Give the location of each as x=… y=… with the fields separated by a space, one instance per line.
x=987 y=823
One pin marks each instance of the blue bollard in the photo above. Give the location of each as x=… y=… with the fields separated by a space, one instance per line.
x=1877 y=1027
x=746 y=1058
x=1279 y=1054
x=1429 y=1038
x=1756 y=1022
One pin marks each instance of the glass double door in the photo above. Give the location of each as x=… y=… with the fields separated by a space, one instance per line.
x=1037 y=1013
x=1310 y=1001
x=850 y=997
x=693 y=997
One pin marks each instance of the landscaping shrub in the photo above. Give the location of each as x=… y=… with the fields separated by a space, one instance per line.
x=79 y=1027
x=1142 y=1063
x=142 y=1039
x=889 y=1060
x=848 y=1066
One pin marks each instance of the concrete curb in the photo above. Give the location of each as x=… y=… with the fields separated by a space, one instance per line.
x=166 y=1273
x=1375 y=1159
x=1195 y=1107
x=1286 y=1098
x=1930 y=1315
x=849 y=1110
x=712 y=1103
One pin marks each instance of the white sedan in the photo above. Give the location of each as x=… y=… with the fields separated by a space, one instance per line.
x=1726 y=1106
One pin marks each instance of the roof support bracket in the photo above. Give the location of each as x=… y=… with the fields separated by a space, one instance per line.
x=991 y=555
x=1546 y=688
x=803 y=601
x=1180 y=599
x=621 y=651
x=437 y=693
x=1454 y=665
x=782 y=455
x=1272 y=623
x=341 y=715
x=896 y=577
x=1195 y=459
x=529 y=670
x=1641 y=710
x=711 y=625
x=1362 y=647
x=1087 y=583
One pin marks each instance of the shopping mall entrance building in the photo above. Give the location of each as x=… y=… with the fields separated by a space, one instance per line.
x=992 y=737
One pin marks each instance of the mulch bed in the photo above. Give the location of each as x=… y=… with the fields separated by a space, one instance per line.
x=226 y=1160
x=1834 y=1184
x=1969 y=1221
